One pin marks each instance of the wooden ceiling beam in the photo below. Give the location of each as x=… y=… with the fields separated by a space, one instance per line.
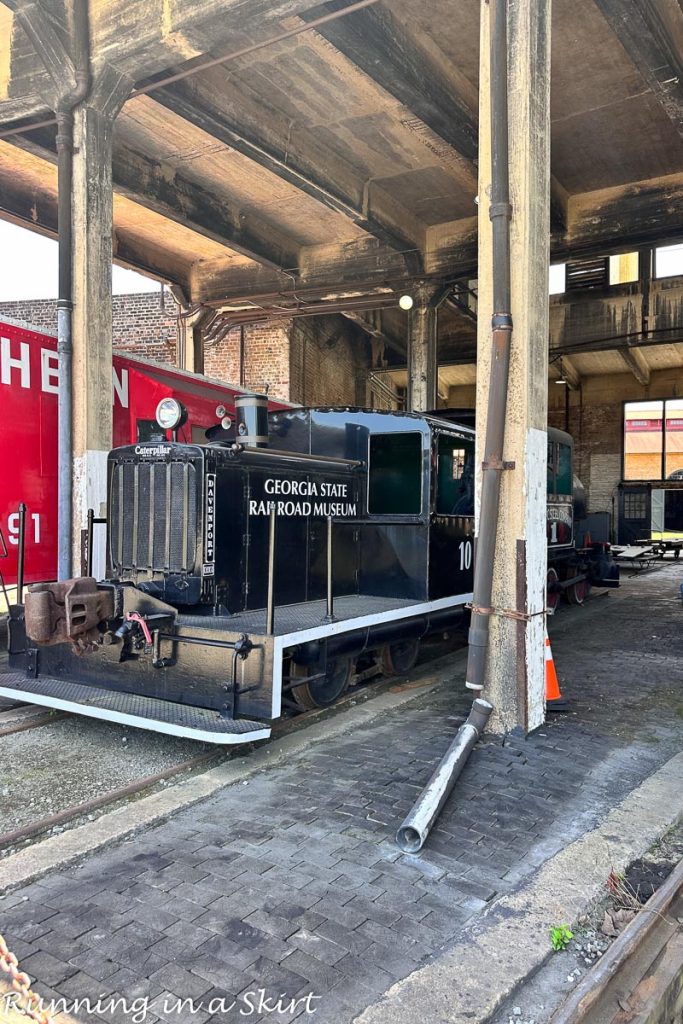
x=621 y=219
x=371 y=323
x=143 y=40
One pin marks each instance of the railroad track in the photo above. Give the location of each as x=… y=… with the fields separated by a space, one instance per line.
x=24 y=717
x=639 y=980
x=32 y=718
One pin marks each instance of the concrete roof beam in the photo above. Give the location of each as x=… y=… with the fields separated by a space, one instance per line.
x=637 y=363
x=333 y=186
x=651 y=32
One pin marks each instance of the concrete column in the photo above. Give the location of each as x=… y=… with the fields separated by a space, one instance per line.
x=92 y=218
x=516 y=669
x=422 y=356
x=192 y=349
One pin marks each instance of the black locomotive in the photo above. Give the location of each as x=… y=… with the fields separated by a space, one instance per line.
x=251 y=573
x=264 y=570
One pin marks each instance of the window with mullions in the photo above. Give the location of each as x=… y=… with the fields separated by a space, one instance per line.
x=395 y=474
x=653 y=440
x=454 y=476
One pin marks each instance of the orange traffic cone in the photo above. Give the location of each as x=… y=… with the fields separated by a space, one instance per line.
x=553 y=698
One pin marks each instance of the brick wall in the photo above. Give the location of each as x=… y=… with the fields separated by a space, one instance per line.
x=310 y=360
x=329 y=360
x=41 y=313
x=266 y=358
x=595 y=421
x=140 y=327
x=143 y=329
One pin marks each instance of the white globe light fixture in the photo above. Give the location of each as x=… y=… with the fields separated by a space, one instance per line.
x=406 y=302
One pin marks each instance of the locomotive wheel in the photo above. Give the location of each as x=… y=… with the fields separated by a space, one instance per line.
x=397 y=659
x=321 y=693
x=552 y=599
x=578 y=592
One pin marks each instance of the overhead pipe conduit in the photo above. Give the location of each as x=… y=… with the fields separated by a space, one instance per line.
x=501 y=333
x=413 y=832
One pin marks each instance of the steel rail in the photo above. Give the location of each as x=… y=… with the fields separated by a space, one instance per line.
x=647 y=936
x=131 y=789
x=34 y=723
x=280 y=729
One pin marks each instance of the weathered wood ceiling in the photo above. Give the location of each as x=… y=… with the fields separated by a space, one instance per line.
x=342 y=161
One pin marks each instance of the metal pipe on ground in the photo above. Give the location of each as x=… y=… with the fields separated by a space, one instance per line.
x=414 y=830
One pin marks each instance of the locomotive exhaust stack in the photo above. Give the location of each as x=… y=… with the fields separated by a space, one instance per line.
x=251 y=412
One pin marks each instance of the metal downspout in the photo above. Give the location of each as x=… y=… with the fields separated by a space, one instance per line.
x=415 y=828
x=65 y=131
x=501 y=333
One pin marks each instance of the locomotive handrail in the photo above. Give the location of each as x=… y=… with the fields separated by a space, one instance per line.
x=329 y=616
x=292 y=456
x=92 y=520
x=21 y=541
x=240 y=649
x=201 y=641
x=270 y=604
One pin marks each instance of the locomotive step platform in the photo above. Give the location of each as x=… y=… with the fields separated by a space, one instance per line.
x=131 y=709
x=309 y=617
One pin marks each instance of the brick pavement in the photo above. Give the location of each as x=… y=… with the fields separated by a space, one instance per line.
x=291 y=882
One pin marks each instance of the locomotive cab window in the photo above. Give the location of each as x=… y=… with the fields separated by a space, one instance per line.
x=564 y=469
x=395 y=474
x=455 y=476
x=559 y=468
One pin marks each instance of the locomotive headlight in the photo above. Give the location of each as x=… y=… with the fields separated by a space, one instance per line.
x=170 y=414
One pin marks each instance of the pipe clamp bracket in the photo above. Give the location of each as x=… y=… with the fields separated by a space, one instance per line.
x=497 y=464
x=500 y=210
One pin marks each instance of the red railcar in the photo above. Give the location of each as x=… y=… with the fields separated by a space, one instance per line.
x=28 y=431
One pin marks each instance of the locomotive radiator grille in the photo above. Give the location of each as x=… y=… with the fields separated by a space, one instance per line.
x=154 y=516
